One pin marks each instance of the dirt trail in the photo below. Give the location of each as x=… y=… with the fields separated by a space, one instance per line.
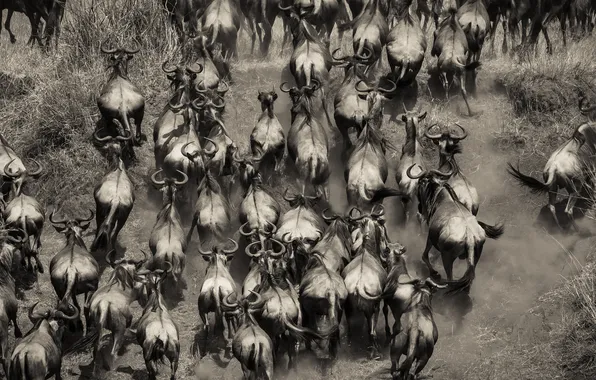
x=511 y=273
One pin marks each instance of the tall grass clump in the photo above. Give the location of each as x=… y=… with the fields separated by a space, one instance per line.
x=54 y=120
x=547 y=88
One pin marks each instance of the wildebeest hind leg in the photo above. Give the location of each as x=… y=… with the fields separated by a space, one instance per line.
x=173 y=367
x=464 y=93
x=552 y=200
x=426 y=259
x=372 y=325
x=387 y=328
x=569 y=209
x=448 y=260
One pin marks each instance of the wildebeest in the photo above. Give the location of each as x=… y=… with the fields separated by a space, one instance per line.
x=267 y=140
x=38 y=356
x=183 y=12
x=167 y=240
x=418 y=334
x=335 y=245
x=114 y=195
x=475 y=22
x=320 y=13
x=411 y=153
x=451 y=49
x=120 y=99
x=566 y=168
x=73 y=270
x=251 y=345
x=260 y=16
x=157 y=333
x=221 y=21
x=217 y=286
x=453 y=229
x=14 y=171
x=449 y=145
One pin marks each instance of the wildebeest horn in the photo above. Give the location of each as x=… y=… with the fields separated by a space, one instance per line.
x=195 y=68
x=366 y=57
x=410 y=282
x=126 y=137
x=204 y=253
x=463 y=135
x=185 y=153
x=7 y=171
x=443 y=174
x=289 y=7
x=91 y=215
x=197 y=104
x=287 y=198
x=183 y=180
x=282 y=247
x=61 y=221
x=273 y=228
x=355 y=218
x=582 y=108
x=168 y=68
x=37 y=171
x=429 y=281
x=60 y=315
x=109 y=259
x=409 y=172
x=236 y=157
x=227 y=303
x=249 y=247
x=388 y=90
x=198 y=88
x=287 y=237
x=328 y=218
x=244 y=233
x=285 y=87
x=315 y=84
x=135 y=50
x=105 y=50
x=154 y=178
x=231 y=250
x=34 y=317
x=340 y=58
x=177 y=107
x=215 y=147
x=257 y=302
x=226 y=88
x=220 y=105
x=15 y=240
x=432 y=136
x=380 y=212
x=365 y=89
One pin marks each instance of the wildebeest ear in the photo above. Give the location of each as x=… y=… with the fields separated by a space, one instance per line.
x=421 y=117
x=274 y=96
x=206 y=258
x=404 y=118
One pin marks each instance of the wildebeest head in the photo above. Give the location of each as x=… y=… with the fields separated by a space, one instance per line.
x=55 y=318
x=353 y=63
x=269 y=259
x=18 y=176
x=218 y=254
x=446 y=139
x=393 y=254
x=368 y=227
x=301 y=97
x=72 y=227
x=429 y=183
x=168 y=185
x=244 y=306
x=119 y=57
x=267 y=99
x=246 y=168
x=423 y=289
x=376 y=96
x=110 y=144
x=126 y=271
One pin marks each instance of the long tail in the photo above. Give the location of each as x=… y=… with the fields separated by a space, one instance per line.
x=404 y=70
x=126 y=123
x=493 y=232
x=156 y=351
x=93 y=336
x=413 y=340
x=535 y=185
x=71 y=280
x=303 y=332
x=104 y=231
x=385 y=192
x=264 y=13
x=255 y=355
x=466 y=281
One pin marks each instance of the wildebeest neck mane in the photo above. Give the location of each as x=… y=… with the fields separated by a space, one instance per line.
x=121 y=277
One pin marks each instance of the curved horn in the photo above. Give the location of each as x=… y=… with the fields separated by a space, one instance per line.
x=215 y=147
x=430 y=135
x=249 y=247
x=355 y=218
x=105 y=50
x=195 y=68
x=135 y=50
x=183 y=180
x=7 y=172
x=86 y=219
x=328 y=218
x=257 y=301
x=101 y=139
x=226 y=88
x=365 y=89
x=244 y=233
x=199 y=90
x=231 y=250
x=431 y=283
x=287 y=237
x=582 y=106
x=37 y=171
x=204 y=253
x=380 y=212
x=109 y=259
x=220 y=105
x=59 y=314
x=154 y=178
x=285 y=87
x=15 y=240
x=364 y=58
x=412 y=176
x=227 y=303
x=282 y=248
x=339 y=58
x=168 y=68
x=197 y=104
x=287 y=198
x=61 y=221
x=289 y=7
x=236 y=157
x=127 y=137
x=184 y=151
x=443 y=174
x=273 y=228
x=176 y=107
x=388 y=90
x=34 y=317
x=463 y=135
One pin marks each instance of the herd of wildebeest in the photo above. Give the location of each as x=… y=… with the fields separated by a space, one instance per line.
x=307 y=268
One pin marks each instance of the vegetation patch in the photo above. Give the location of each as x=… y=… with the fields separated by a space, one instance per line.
x=14 y=86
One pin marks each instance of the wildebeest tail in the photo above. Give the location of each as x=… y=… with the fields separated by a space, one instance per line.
x=254 y=356
x=92 y=335
x=404 y=69
x=492 y=232
x=304 y=332
x=71 y=280
x=156 y=351
x=473 y=66
x=102 y=235
x=466 y=280
x=264 y=13
x=535 y=185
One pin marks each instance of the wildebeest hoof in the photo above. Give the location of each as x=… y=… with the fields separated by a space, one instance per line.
x=13 y=39
x=228 y=353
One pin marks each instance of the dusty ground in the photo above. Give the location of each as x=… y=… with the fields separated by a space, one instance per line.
x=512 y=272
